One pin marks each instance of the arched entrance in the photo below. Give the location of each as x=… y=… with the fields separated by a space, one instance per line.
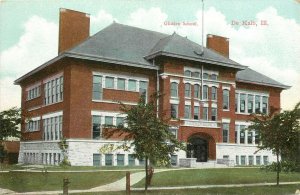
x=197 y=148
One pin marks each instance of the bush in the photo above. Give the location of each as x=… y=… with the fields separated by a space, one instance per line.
x=285 y=166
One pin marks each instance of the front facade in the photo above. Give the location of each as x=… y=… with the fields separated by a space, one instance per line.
x=207 y=96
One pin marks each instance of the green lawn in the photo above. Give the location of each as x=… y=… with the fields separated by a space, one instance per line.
x=28 y=181
x=86 y=168
x=190 y=177
x=261 y=190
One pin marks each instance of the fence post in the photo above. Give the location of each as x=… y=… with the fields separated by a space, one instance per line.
x=66 y=186
x=127 y=183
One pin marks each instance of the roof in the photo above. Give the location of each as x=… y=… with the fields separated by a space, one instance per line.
x=181 y=47
x=250 y=76
x=132 y=46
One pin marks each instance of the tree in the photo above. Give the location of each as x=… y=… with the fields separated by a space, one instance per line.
x=279 y=132
x=9 y=126
x=9 y=123
x=148 y=134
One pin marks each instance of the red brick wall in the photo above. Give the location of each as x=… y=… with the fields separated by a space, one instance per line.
x=74 y=27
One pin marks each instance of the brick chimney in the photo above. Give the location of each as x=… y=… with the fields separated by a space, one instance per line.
x=218 y=43
x=74 y=27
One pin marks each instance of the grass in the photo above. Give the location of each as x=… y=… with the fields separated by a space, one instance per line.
x=28 y=181
x=258 y=190
x=87 y=168
x=6 y=167
x=190 y=177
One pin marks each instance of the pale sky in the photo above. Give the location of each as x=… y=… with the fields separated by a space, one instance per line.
x=29 y=33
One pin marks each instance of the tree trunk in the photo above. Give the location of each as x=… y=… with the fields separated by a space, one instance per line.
x=278 y=168
x=146 y=179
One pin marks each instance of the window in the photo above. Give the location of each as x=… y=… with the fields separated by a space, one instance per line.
x=225 y=99
x=266 y=160
x=187 y=90
x=52 y=128
x=205 y=76
x=131 y=85
x=236 y=134
x=97 y=87
x=205 y=113
x=213 y=114
x=257 y=104
x=205 y=92
x=236 y=102
x=108 y=159
x=243 y=160
x=173 y=131
x=214 y=77
x=214 y=93
x=250 y=160
x=142 y=162
x=53 y=90
x=121 y=84
x=34 y=93
x=120 y=159
x=257 y=137
x=97 y=160
x=265 y=105
x=109 y=82
x=96 y=127
x=250 y=137
x=196 y=74
x=237 y=160
x=225 y=133
x=120 y=121
x=242 y=134
x=242 y=103
x=174 y=160
x=174 y=89
x=250 y=103
x=196 y=113
x=109 y=120
x=226 y=157
x=187 y=73
x=32 y=126
x=143 y=89
x=258 y=160
x=187 y=111
x=131 y=160
x=197 y=91
x=174 y=111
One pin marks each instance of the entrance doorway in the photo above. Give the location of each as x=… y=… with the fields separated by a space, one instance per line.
x=197 y=148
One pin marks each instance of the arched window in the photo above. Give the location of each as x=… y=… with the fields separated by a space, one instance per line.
x=174 y=89
x=205 y=92
x=196 y=74
x=214 y=93
x=225 y=99
x=187 y=90
x=205 y=76
x=197 y=91
x=187 y=73
x=214 y=77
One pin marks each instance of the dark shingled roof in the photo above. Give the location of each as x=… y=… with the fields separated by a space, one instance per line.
x=132 y=46
x=250 y=76
x=129 y=44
